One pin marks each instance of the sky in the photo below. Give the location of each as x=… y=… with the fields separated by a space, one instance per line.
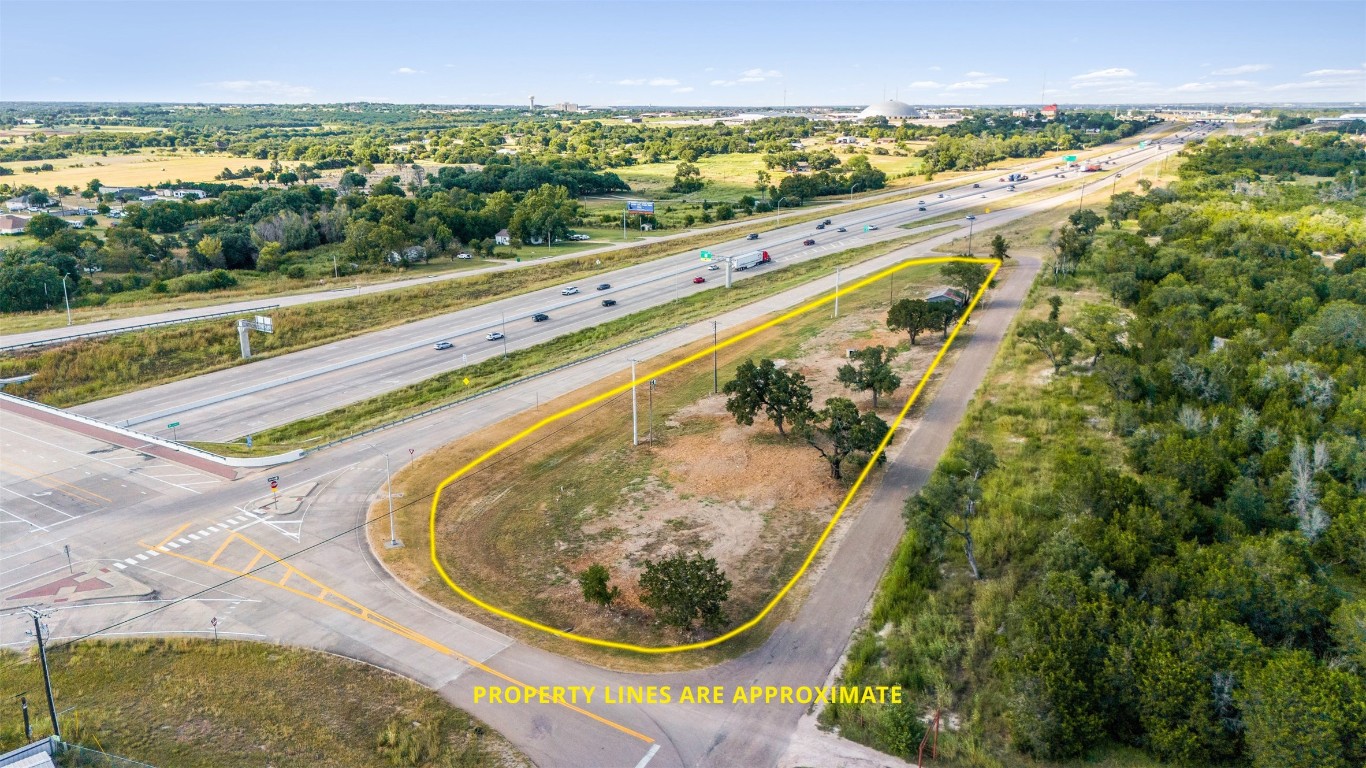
x=701 y=53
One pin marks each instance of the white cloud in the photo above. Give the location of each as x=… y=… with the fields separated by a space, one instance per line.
x=935 y=69
x=1306 y=84
x=684 y=89
x=721 y=82
x=977 y=81
x=406 y=71
x=641 y=81
x=761 y=73
x=1213 y=85
x=930 y=84
x=268 y=90
x=1336 y=72
x=660 y=82
x=1111 y=73
x=1242 y=69
x=755 y=75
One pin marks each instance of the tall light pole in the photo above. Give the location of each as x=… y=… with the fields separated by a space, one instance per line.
x=66 y=299
x=635 y=433
x=715 y=374
x=504 y=316
x=780 y=210
x=1083 y=195
x=971 y=220
x=837 y=291
x=389 y=486
x=851 y=192
x=650 y=421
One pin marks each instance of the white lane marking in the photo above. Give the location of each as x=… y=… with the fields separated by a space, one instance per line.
x=194 y=537
x=87 y=457
x=173 y=544
x=130 y=561
x=202 y=532
x=120 y=566
x=644 y=761
x=141 y=556
x=153 y=553
x=183 y=540
x=22 y=520
x=39 y=503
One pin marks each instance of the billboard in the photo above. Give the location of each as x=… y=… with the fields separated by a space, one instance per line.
x=640 y=206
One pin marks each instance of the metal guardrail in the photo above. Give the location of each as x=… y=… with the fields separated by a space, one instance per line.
x=139 y=327
x=499 y=388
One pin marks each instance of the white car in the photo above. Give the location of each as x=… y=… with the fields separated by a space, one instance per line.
x=569 y=291
x=463 y=256
x=442 y=345
x=493 y=336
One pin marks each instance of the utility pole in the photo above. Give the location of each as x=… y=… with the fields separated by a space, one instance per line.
x=28 y=725
x=504 y=315
x=650 y=421
x=38 y=617
x=715 y=380
x=393 y=541
x=66 y=299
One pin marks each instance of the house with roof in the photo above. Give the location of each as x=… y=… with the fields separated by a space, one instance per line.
x=502 y=238
x=948 y=296
x=13 y=225
x=1050 y=112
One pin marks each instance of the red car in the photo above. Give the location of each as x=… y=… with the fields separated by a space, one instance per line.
x=699 y=279
x=809 y=242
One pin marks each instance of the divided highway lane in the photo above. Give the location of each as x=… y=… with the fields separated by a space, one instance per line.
x=228 y=404
x=107 y=326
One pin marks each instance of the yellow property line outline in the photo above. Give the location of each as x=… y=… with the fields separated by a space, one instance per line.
x=353 y=608
x=820 y=541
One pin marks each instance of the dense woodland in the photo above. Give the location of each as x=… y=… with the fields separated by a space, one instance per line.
x=1163 y=545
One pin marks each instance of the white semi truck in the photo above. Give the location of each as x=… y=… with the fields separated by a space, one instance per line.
x=747 y=260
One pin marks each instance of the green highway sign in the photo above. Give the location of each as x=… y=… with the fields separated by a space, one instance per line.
x=1142 y=145
x=706 y=255
x=1071 y=158
x=173 y=425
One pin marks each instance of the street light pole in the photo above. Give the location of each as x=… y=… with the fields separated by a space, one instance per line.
x=971 y=221
x=650 y=420
x=1083 y=195
x=635 y=433
x=66 y=299
x=837 y=291
x=389 y=486
x=715 y=374
x=851 y=192
x=780 y=211
x=504 y=316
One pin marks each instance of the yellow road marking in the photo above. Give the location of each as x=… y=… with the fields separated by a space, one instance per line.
x=825 y=534
x=222 y=547
x=353 y=608
x=48 y=480
x=174 y=534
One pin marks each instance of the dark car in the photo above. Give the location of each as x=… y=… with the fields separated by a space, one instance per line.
x=921 y=208
x=808 y=241
x=752 y=236
x=699 y=279
x=540 y=317
x=827 y=221
x=841 y=229
x=820 y=226
x=609 y=302
x=604 y=286
x=976 y=186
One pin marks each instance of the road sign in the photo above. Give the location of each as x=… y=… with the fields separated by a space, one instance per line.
x=640 y=206
x=274 y=486
x=706 y=256
x=1071 y=158
x=173 y=425
x=1142 y=145
x=467 y=381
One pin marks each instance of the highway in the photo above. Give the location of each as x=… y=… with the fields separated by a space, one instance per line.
x=228 y=404
x=333 y=294
x=163 y=549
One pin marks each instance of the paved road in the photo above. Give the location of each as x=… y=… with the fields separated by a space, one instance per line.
x=225 y=405
x=144 y=541
x=251 y=305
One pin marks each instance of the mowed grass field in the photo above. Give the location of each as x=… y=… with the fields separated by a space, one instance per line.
x=729 y=177
x=144 y=168
x=205 y=703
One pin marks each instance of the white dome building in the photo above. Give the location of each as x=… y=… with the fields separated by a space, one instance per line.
x=895 y=110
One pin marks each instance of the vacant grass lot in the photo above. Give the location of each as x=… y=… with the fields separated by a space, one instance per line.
x=492 y=373
x=145 y=167
x=583 y=494
x=193 y=704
